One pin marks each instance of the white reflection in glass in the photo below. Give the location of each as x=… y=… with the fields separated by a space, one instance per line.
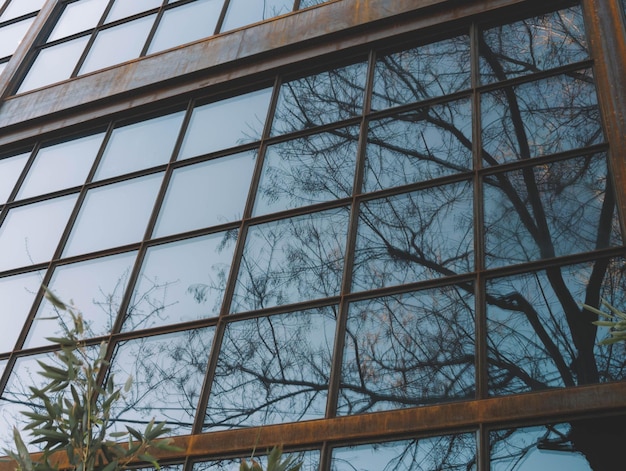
x=95 y=287
x=10 y=170
x=54 y=64
x=181 y=281
x=206 y=194
x=244 y=12
x=30 y=234
x=124 y=8
x=186 y=23
x=11 y=36
x=140 y=145
x=114 y=215
x=20 y=7
x=17 y=294
x=226 y=123
x=77 y=17
x=61 y=166
x=118 y=44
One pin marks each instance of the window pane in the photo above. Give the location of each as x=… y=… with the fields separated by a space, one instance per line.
x=539 y=336
x=542 y=117
x=448 y=452
x=308 y=170
x=167 y=373
x=418 y=146
x=140 y=145
x=549 y=210
x=310 y=461
x=181 y=281
x=394 y=355
x=30 y=234
x=54 y=64
x=17 y=294
x=186 y=23
x=10 y=170
x=114 y=215
x=533 y=44
x=21 y=7
x=320 y=99
x=283 y=378
x=11 y=36
x=226 y=123
x=118 y=44
x=95 y=287
x=310 y=3
x=422 y=72
x=414 y=237
x=77 y=17
x=124 y=8
x=69 y=162
x=206 y=194
x=243 y=12
x=292 y=260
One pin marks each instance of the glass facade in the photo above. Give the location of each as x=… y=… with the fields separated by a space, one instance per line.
x=377 y=256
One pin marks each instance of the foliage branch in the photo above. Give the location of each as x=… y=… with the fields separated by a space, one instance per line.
x=616 y=321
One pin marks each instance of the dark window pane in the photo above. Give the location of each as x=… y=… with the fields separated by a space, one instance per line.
x=320 y=99
x=292 y=260
x=77 y=17
x=418 y=146
x=414 y=237
x=540 y=337
x=11 y=36
x=273 y=370
x=542 y=117
x=447 y=452
x=549 y=210
x=206 y=194
x=17 y=294
x=408 y=350
x=533 y=44
x=243 y=12
x=167 y=373
x=423 y=72
x=310 y=461
x=10 y=170
x=181 y=281
x=308 y=170
x=226 y=123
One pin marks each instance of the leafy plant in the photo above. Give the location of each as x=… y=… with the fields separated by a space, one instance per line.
x=616 y=321
x=74 y=421
x=274 y=463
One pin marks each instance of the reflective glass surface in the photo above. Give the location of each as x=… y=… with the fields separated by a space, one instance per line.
x=11 y=36
x=78 y=16
x=226 y=123
x=10 y=170
x=17 y=294
x=206 y=194
x=272 y=370
x=140 y=145
x=18 y=8
x=124 y=8
x=243 y=12
x=310 y=461
x=69 y=162
x=114 y=215
x=309 y=170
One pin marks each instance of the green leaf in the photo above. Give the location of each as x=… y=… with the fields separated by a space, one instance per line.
x=56 y=302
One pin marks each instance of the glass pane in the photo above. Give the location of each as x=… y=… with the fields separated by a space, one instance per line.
x=418 y=146
x=310 y=3
x=54 y=64
x=124 y=8
x=226 y=123
x=114 y=215
x=533 y=44
x=310 y=461
x=542 y=117
x=309 y=170
x=422 y=72
x=320 y=99
x=95 y=287
x=61 y=166
x=140 y=145
x=17 y=294
x=186 y=23
x=181 y=281
x=11 y=36
x=282 y=378
x=10 y=170
x=549 y=210
x=167 y=373
x=292 y=260
x=448 y=452
x=77 y=17
x=395 y=354
x=414 y=237
x=539 y=336
x=21 y=7
x=30 y=234
x=118 y=44
x=206 y=194
x=243 y=12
